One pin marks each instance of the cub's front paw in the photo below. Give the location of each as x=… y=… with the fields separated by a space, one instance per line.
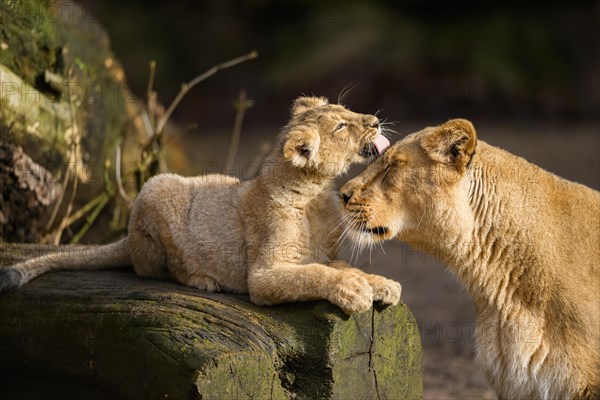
x=352 y=293
x=385 y=290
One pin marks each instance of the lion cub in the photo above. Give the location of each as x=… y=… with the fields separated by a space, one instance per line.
x=524 y=241
x=274 y=237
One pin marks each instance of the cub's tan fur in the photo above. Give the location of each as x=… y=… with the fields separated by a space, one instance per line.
x=273 y=237
x=524 y=241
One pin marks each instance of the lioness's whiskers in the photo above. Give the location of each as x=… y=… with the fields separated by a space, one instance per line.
x=340 y=240
x=343 y=220
x=339 y=222
x=355 y=224
x=347 y=231
x=380 y=222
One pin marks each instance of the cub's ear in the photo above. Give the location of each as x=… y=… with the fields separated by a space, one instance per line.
x=301 y=147
x=452 y=143
x=302 y=104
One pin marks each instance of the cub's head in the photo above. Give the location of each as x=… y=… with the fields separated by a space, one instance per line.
x=328 y=138
x=414 y=189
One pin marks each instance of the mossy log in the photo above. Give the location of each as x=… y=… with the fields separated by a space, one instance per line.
x=112 y=335
x=64 y=103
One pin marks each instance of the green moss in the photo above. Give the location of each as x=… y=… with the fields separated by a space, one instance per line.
x=45 y=36
x=406 y=367
x=240 y=376
x=29 y=33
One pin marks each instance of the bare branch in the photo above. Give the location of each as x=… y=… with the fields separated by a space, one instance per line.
x=120 y=188
x=73 y=163
x=150 y=94
x=84 y=210
x=241 y=105
x=59 y=201
x=147 y=125
x=187 y=86
x=103 y=201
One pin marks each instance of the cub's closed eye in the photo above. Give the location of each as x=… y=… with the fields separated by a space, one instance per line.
x=340 y=126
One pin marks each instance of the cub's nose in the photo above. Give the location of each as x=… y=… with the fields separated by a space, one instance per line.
x=371 y=121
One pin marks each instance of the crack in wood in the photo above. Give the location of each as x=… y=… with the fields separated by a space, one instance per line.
x=371 y=367
x=179 y=362
x=240 y=384
x=357 y=354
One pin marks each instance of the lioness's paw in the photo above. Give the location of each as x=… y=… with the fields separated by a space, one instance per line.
x=352 y=293
x=385 y=290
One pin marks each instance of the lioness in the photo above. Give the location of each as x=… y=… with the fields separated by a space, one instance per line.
x=524 y=242
x=273 y=237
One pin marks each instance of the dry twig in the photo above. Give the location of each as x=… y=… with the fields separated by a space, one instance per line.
x=120 y=188
x=151 y=94
x=73 y=163
x=151 y=150
x=241 y=105
x=154 y=121
x=186 y=87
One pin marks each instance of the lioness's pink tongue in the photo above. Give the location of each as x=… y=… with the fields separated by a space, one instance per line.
x=381 y=143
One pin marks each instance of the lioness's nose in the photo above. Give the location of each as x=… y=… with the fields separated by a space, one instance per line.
x=346 y=197
x=371 y=121
x=346 y=193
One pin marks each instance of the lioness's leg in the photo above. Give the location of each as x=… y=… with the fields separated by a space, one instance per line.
x=385 y=290
x=291 y=282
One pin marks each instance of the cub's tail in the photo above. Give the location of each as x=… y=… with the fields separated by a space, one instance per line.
x=112 y=255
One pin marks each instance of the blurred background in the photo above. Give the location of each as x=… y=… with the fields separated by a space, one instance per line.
x=526 y=74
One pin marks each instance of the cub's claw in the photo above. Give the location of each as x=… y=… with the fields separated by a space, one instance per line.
x=385 y=290
x=352 y=293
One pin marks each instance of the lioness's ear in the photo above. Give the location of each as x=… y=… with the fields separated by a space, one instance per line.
x=301 y=147
x=302 y=104
x=452 y=143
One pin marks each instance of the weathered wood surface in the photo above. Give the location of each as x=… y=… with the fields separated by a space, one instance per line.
x=112 y=335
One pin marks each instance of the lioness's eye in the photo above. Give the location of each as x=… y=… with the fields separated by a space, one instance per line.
x=340 y=126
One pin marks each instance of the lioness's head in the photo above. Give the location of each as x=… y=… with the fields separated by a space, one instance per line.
x=415 y=187
x=329 y=138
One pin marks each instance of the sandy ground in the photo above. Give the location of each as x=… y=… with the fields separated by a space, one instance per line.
x=444 y=311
